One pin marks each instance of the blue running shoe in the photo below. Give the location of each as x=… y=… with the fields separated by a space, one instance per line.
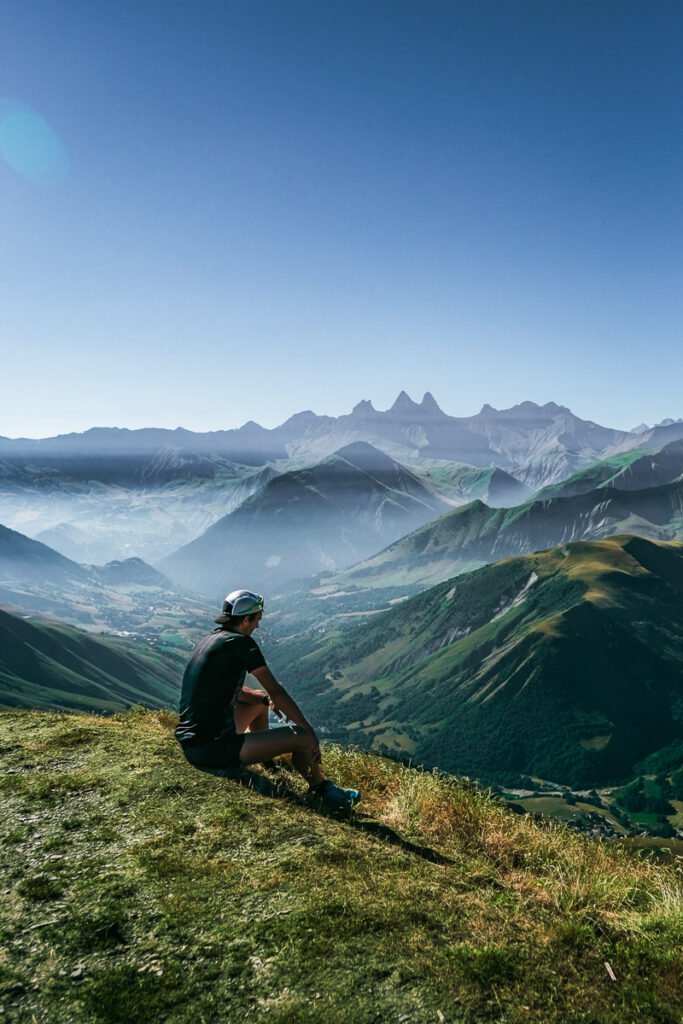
x=336 y=798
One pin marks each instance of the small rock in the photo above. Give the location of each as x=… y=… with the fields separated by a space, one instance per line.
x=77 y=974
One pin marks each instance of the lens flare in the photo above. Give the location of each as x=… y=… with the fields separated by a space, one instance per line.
x=30 y=146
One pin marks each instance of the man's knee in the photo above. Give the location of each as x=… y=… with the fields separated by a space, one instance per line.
x=307 y=740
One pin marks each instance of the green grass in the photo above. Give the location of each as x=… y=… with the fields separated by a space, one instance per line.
x=135 y=888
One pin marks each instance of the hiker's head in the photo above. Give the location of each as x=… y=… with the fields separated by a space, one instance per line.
x=241 y=612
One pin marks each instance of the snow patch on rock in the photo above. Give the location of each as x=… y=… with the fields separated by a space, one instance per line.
x=517 y=600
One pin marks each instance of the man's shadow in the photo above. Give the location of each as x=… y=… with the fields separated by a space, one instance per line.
x=281 y=791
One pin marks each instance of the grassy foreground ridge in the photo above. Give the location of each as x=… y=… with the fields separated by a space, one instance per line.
x=135 y=888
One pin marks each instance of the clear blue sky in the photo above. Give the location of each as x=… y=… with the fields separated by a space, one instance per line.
x=219 y=211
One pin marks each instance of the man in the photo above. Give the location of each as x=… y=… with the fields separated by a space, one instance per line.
x=224 y=724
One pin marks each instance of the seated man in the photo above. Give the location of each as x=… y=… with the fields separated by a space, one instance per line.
x=224 y=724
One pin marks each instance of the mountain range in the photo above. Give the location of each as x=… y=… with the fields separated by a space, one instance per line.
x=628 y=471
x=113 y=493
x=95 y=508
x=474 y=534
x=338 y=518
x=535 y=441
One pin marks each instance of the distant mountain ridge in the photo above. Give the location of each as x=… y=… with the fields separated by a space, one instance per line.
x=628 y=471
x=95 y=508
x=24 y=559
x=111 y=493
x=461 y=483
x=517 y=438
x=475 y=534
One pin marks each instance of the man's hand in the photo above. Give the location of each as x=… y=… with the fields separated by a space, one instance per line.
x=280 y=699
x=248 y=695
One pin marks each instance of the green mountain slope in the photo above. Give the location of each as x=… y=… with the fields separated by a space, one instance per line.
x=49 y=665
x=28 y=560
x=629 y=471
x=566 y=664
x=137 y=889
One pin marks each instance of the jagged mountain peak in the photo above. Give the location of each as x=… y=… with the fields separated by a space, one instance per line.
x=363 y=408
x=363 y=455
x=252 y=427
x=430 y=404
x=404 y=403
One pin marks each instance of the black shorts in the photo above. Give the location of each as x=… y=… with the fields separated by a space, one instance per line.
x=223 y=752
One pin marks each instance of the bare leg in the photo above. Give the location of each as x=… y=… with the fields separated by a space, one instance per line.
x=263 y=746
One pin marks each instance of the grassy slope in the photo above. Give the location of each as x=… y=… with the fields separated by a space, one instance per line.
x=564 y=664
x=137 y=889
x=50 y=665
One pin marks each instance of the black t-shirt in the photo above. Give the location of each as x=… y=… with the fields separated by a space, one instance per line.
x=213 y=678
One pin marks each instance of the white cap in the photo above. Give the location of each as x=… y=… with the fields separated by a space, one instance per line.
x=240 y=602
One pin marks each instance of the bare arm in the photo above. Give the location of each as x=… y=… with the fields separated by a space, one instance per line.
x=280 y=698
x=248 y=695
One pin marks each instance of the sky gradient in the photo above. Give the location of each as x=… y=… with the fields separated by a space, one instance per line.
x=224 y=211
